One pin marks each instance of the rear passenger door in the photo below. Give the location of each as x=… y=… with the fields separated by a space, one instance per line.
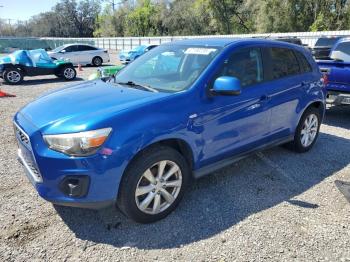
x=286 y=79
x=86 y=53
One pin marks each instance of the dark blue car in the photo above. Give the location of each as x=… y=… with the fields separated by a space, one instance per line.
x=180 y=111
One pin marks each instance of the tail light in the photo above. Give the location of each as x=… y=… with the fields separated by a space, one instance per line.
x=324 y=79
x=325 y=73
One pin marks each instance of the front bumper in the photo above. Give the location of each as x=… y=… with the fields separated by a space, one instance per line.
x=47 y=169
x=338 y=98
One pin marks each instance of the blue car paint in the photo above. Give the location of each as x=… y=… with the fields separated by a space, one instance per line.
x=213 y=128
x=338 y=77
x=129 y=56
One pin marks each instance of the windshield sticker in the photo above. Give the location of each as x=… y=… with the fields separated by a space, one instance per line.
x=199 y=51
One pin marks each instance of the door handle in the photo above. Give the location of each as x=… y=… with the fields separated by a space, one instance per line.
x=264 y=98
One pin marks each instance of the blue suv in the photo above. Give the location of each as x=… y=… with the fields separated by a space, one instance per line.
x=181 y=111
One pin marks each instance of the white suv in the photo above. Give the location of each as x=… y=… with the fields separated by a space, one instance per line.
x=81 y=54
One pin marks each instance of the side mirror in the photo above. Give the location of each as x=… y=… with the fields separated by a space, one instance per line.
x=227 y=85
x=62 y=51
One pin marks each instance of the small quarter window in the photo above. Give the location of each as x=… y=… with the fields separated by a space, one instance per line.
x=305 y=66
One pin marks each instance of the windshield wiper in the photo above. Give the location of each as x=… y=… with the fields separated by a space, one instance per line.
x=135 y=85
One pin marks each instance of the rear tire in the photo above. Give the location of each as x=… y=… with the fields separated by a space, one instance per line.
x=68 y=73
x=147 y=192
x=307 y=131
x=13 y=76
x=97 y=61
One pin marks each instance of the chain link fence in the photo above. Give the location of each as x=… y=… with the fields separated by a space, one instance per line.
x=121 y=43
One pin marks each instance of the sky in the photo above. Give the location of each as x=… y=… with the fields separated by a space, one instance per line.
x=24 y=9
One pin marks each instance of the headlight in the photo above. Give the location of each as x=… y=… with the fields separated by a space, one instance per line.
x=78 y=144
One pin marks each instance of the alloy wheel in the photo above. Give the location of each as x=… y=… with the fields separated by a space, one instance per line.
x=158 y=187
x=309 y=130
x=14 y=76
x=69 y=73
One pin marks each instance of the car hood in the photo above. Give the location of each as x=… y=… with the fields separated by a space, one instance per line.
x=5 y=60
x=84 y=106
x=126 y=53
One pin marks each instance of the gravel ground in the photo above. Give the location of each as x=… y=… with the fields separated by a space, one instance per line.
x=275 y=205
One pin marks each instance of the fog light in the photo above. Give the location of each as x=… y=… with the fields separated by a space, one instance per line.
x=75 y=186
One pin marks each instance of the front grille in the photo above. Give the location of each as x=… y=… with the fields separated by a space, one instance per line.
x=22 y=136
x=33 y=169
x=26 y=156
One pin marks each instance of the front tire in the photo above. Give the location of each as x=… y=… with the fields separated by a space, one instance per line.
x=68 y=73
x=307 y=131
x=13 y=76
x=153 y=185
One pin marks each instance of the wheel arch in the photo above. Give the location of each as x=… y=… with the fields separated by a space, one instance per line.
x=320 y=105
x=177 y=144
x=19 y=67
x=97 y=56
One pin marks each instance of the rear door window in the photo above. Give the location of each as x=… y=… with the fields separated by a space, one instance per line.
x=246 y=65
x=283 y=63
x=305 y=66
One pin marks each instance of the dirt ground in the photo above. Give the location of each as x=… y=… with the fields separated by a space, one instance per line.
x=274 y=206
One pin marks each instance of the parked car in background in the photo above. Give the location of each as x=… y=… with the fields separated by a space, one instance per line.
x=139 y=138
x=292 y=40
x=21 y=63
x=81 y=54
x=338 y=73
x=323 y=47
x=106 y=71
x=127 y=56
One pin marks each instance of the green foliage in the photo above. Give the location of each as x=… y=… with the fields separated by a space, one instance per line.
x=84 y=18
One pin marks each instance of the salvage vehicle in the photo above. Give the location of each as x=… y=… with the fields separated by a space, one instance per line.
x=337 y=72
x=105 y=72
x=21 y=63
x=126 y=56
x=323 y=46
x=81 y=54
x=138 y=139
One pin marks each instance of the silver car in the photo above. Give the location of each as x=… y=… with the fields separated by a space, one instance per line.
x=81 y=54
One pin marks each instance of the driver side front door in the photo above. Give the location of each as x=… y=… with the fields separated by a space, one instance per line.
x=234 y=124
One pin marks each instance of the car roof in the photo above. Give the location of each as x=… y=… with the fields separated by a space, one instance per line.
x=222 y=42
x=66 y=45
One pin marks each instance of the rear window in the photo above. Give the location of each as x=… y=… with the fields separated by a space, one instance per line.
x=305 y=66
x=327 y=41
x=343 y=47
x=284 y=63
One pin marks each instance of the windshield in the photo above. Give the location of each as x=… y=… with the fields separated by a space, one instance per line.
x=327 y=41
x=39 y=56
x=168 y=68
x=21 y=57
